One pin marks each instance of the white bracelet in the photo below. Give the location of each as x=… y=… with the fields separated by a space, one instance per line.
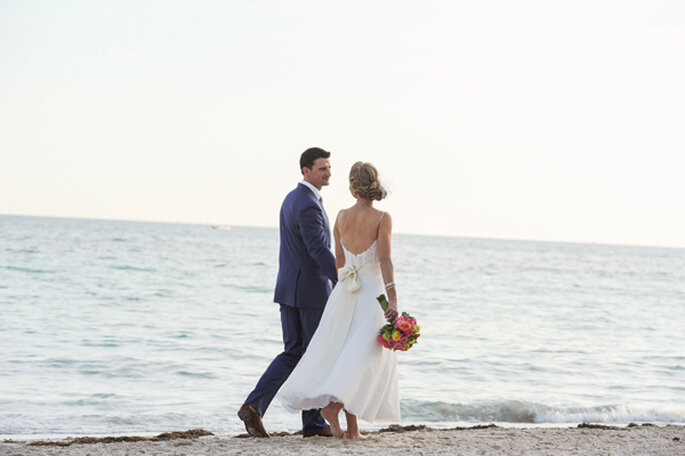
x=389 y=285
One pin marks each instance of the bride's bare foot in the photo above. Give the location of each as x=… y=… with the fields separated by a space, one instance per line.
x=330 y=414
x=354 y=436
x=352 y=427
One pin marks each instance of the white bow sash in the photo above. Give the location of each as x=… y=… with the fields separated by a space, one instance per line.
x=346 y=292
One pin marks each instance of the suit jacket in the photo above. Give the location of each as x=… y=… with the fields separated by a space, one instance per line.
x=306 y=265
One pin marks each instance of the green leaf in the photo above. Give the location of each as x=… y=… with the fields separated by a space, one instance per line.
x=383 y=302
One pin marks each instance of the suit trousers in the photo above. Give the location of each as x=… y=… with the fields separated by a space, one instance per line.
x=298 y=325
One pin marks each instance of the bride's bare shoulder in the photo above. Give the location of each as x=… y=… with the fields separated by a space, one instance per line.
x=342 y=216
x=343 y=213
x=348 y=211
x=386 y=219
x=382 y=214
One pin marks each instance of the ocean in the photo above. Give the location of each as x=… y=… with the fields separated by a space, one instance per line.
x=114 y=327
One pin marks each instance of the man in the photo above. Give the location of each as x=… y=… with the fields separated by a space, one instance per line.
x=306 y=270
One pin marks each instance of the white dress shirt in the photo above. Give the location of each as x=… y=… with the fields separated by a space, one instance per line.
x=314 y=189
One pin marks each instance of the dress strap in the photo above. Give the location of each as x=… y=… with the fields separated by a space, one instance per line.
x=378 y=230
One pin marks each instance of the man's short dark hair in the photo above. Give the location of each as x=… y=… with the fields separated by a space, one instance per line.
x=310 y=155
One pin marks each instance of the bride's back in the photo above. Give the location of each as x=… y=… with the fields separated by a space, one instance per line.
x=357 y=227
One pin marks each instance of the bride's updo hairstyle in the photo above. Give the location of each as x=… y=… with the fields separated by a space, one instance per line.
x=364 y=182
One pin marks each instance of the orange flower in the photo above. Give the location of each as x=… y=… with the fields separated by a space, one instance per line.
x=403 y=326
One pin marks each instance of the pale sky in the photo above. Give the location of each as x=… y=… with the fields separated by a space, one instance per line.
x=523 y=119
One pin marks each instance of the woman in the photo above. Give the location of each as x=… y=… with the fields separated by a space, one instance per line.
x=344 y=367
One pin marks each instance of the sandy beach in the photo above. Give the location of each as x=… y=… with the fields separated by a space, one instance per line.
x=478 y=440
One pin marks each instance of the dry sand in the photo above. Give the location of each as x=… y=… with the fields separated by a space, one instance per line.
x=480 y=440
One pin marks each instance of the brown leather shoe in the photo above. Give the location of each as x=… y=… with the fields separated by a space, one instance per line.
x=323 y=432
x=252 y=420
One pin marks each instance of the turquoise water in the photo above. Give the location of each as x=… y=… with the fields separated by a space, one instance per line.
x=120 y=327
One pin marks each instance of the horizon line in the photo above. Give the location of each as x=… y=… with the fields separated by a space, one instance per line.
x=609 y=244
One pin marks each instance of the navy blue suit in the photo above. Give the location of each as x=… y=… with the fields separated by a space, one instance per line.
x=306 y=269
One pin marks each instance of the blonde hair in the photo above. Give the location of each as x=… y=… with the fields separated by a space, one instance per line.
x=364 y=181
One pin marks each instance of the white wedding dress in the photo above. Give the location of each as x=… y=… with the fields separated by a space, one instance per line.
x=344 y=361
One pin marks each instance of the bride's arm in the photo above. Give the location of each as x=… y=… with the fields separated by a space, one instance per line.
x=339 y=254
x=384 y=239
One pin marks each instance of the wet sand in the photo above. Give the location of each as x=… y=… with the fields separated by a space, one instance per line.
x=585 y=439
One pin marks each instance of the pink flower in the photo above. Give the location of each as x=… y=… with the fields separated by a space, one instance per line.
x=401 y=334
x=403 y=326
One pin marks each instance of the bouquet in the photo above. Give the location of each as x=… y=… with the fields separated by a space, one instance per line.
x=401 y=334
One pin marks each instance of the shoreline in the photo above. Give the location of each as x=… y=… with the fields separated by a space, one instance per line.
x=583 y=439
x=435 y=426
